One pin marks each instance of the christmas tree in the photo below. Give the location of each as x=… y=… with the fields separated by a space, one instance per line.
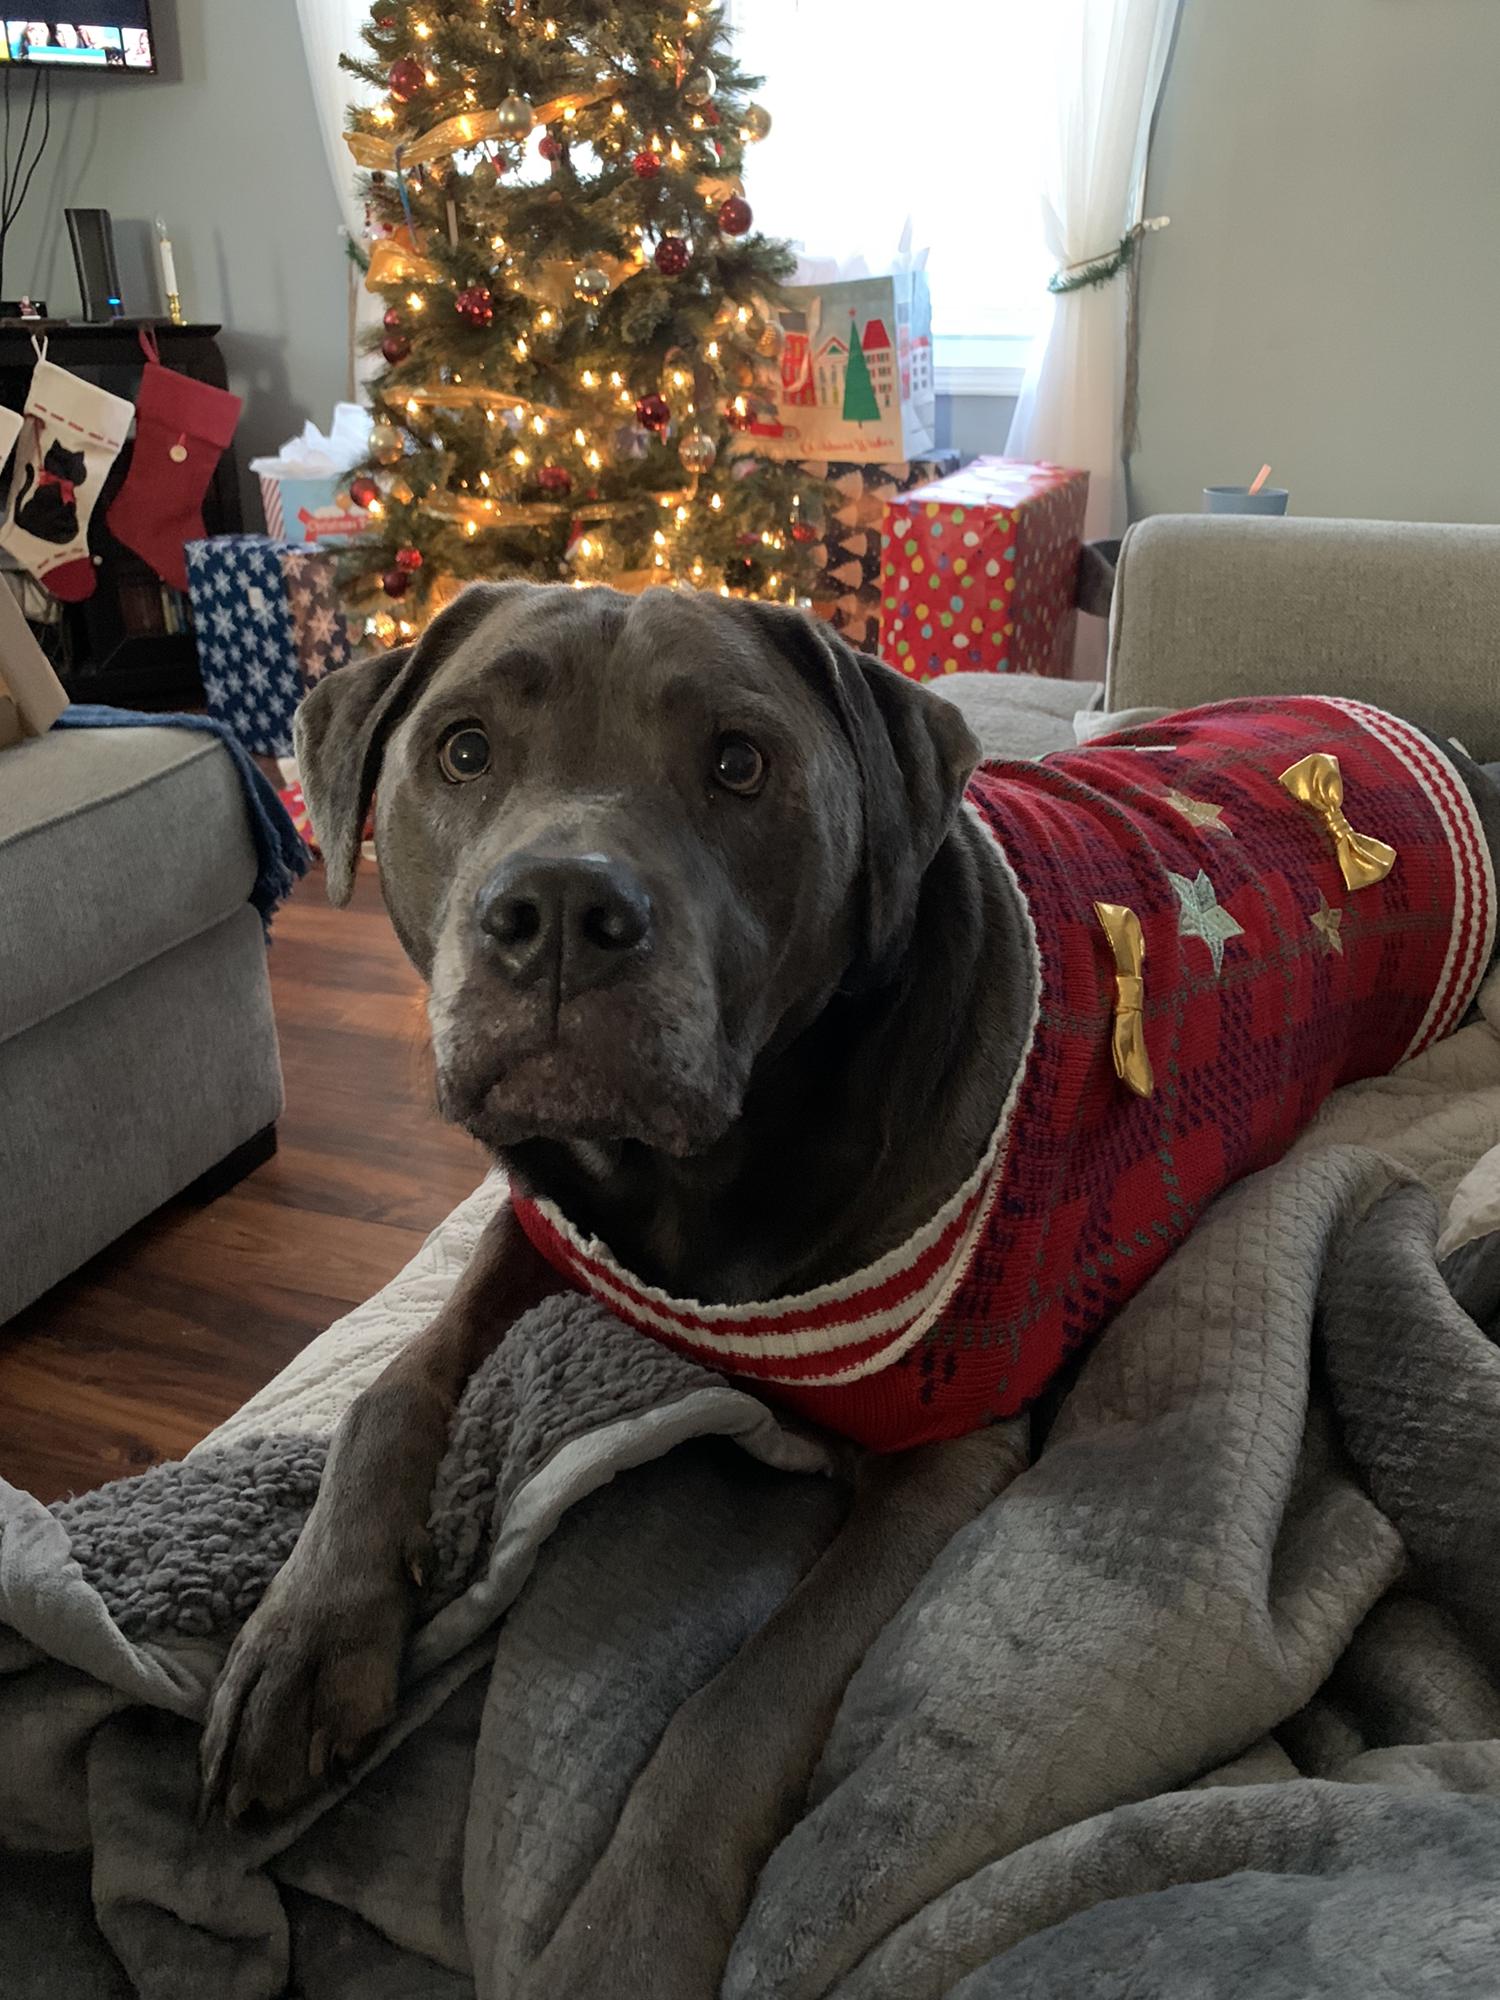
x=579 y=325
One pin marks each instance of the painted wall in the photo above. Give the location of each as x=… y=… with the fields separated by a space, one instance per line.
x=1328 y=294
x=224 y=145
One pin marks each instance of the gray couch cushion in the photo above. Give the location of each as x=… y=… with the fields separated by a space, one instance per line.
x=1404 y=615
x=115 y=846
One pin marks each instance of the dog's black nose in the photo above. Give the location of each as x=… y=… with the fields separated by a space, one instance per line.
x=578 y=918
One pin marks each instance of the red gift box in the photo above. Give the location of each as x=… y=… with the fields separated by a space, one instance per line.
x=980 y=571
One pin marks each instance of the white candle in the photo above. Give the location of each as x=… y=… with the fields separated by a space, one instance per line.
x=168 y=264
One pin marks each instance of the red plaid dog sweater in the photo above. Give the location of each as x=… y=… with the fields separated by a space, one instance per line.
x=1267 y=983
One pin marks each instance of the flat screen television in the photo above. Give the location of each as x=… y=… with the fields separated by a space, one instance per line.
x=110 y=36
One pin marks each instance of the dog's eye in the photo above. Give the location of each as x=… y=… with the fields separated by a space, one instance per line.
x=464 y=754
x=739 y=766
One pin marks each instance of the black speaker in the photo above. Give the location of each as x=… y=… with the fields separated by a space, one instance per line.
x=94 y=254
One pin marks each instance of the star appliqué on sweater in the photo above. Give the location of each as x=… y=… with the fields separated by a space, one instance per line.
x=1199 y=915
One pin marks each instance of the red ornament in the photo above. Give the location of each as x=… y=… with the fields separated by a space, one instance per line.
x=396 y=582
x=362 y=490
x=392 y=317
x=395 y=347
x=475 y=306
x=803 y=531
x=555 y=479
x=734 y=216
x=551 y=147
x=652 y=413
x=672 y=255
x=409 y=559
x=646 y=165
x=738 y=420
x=408 y=78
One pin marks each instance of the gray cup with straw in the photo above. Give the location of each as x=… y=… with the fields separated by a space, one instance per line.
x=1257 y=498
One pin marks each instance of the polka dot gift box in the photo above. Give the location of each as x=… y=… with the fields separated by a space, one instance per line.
x=979 y=571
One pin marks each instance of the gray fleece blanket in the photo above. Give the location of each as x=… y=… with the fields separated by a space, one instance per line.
x=1206 y=1703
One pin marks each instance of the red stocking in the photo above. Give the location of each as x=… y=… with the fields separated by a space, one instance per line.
x=182 y=428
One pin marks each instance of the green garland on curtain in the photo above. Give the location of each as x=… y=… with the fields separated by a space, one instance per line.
x=1104 y=269
x=1098 y=270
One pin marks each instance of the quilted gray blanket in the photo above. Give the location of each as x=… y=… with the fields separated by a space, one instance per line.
x=1206 y=1703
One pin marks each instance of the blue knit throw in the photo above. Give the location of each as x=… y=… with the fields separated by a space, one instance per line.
x=281 y=855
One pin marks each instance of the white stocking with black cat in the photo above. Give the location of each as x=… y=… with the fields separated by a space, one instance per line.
x=70 y=437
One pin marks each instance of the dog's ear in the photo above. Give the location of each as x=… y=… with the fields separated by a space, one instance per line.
x=343 y=726
x=915 y=754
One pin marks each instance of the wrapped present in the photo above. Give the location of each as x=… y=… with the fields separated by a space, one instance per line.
x=303 y=487
x=857 y=380
x=979 y=571
x=268 y=626
x=847 y=592
x=310 y=510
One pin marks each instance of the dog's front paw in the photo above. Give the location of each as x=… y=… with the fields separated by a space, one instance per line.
x=307 y=1685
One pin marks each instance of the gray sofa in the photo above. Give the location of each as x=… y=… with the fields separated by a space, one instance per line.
x=1407 y=615
x=137 y=1046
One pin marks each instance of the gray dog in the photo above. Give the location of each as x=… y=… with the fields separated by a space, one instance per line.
x=726 y=975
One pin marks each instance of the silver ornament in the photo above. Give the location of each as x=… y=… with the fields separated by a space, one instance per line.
x=590 y=285
x=515 y=117
x=699 y=88
x=697 y=451
x=385 y=444
x=757 y=122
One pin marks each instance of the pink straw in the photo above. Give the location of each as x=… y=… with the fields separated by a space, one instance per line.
x=1260 y=479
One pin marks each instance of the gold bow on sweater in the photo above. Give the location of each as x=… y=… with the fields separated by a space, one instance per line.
x=1318 y=782
x=1123 y=929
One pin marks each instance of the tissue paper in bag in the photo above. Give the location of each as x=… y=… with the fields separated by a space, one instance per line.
x=301 y=484
x=857 y=379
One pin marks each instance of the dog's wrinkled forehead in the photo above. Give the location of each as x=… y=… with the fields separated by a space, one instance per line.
x=582 y=649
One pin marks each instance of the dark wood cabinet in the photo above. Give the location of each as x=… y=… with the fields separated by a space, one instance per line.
x=132 y=642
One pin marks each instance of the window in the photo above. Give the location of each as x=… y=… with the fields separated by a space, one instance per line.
x=883 y=111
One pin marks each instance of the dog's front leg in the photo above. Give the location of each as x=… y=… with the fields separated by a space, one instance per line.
x=662 y=1907
x=313 y=1675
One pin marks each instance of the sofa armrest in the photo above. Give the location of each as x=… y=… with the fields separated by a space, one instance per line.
x=1403 y=615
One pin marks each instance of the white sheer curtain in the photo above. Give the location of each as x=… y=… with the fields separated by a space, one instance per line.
x=1104 y=60
x=331 y=28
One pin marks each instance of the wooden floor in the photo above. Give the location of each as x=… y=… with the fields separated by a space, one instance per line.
x=163 y=1335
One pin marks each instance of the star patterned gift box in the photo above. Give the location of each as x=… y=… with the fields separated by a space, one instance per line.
x=268 y=625
x=847 y=590
x=979 y=572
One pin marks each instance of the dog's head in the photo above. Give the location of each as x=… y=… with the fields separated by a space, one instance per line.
x=631 y=843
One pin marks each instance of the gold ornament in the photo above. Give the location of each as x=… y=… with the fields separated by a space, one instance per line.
x=385 y=444
x=515 y=117
x=698 y=452
x=699 y=88
x=757 y=122
x=1318 y=783
x=1128 y=1045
